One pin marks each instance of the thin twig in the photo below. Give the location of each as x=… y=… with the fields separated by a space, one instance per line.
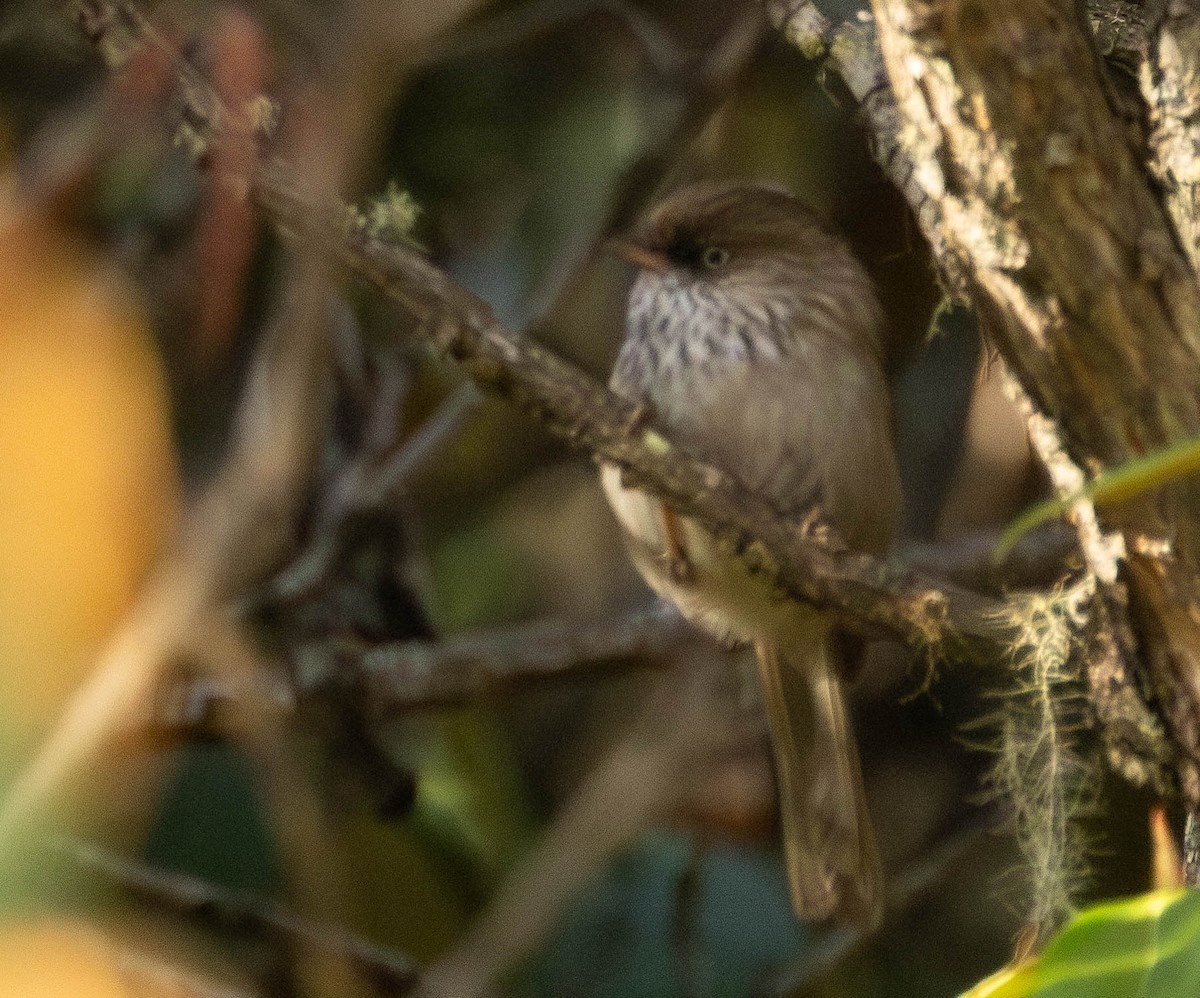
x=229 y=908
x=425 y=441
x=373 y=479
x=1037 y=560
x=397 y=677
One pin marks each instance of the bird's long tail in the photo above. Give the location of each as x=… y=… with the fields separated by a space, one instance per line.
x=829 y=846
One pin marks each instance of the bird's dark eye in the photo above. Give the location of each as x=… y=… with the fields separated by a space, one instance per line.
x=714 y=257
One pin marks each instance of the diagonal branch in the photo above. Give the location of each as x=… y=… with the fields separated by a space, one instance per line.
x=873 y=596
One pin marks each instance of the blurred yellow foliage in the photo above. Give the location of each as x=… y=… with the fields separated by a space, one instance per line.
x=58 y=960
x=88 y=480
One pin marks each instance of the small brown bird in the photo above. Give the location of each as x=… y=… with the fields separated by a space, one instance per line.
x=756 y=339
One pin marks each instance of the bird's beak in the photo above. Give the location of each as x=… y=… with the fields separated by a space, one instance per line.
x=640 y=256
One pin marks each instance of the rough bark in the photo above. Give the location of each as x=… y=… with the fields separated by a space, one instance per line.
x=1051 y=229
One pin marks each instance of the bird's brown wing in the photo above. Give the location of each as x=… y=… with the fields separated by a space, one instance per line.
x=801 y=443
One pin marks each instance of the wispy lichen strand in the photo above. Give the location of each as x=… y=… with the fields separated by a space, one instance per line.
x=1049 y=783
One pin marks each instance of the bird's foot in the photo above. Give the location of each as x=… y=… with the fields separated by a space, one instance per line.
x=679 y=566
x=640 y=416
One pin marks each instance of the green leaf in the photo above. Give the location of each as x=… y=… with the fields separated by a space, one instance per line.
x=1130 y=479
x=1148 y=946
